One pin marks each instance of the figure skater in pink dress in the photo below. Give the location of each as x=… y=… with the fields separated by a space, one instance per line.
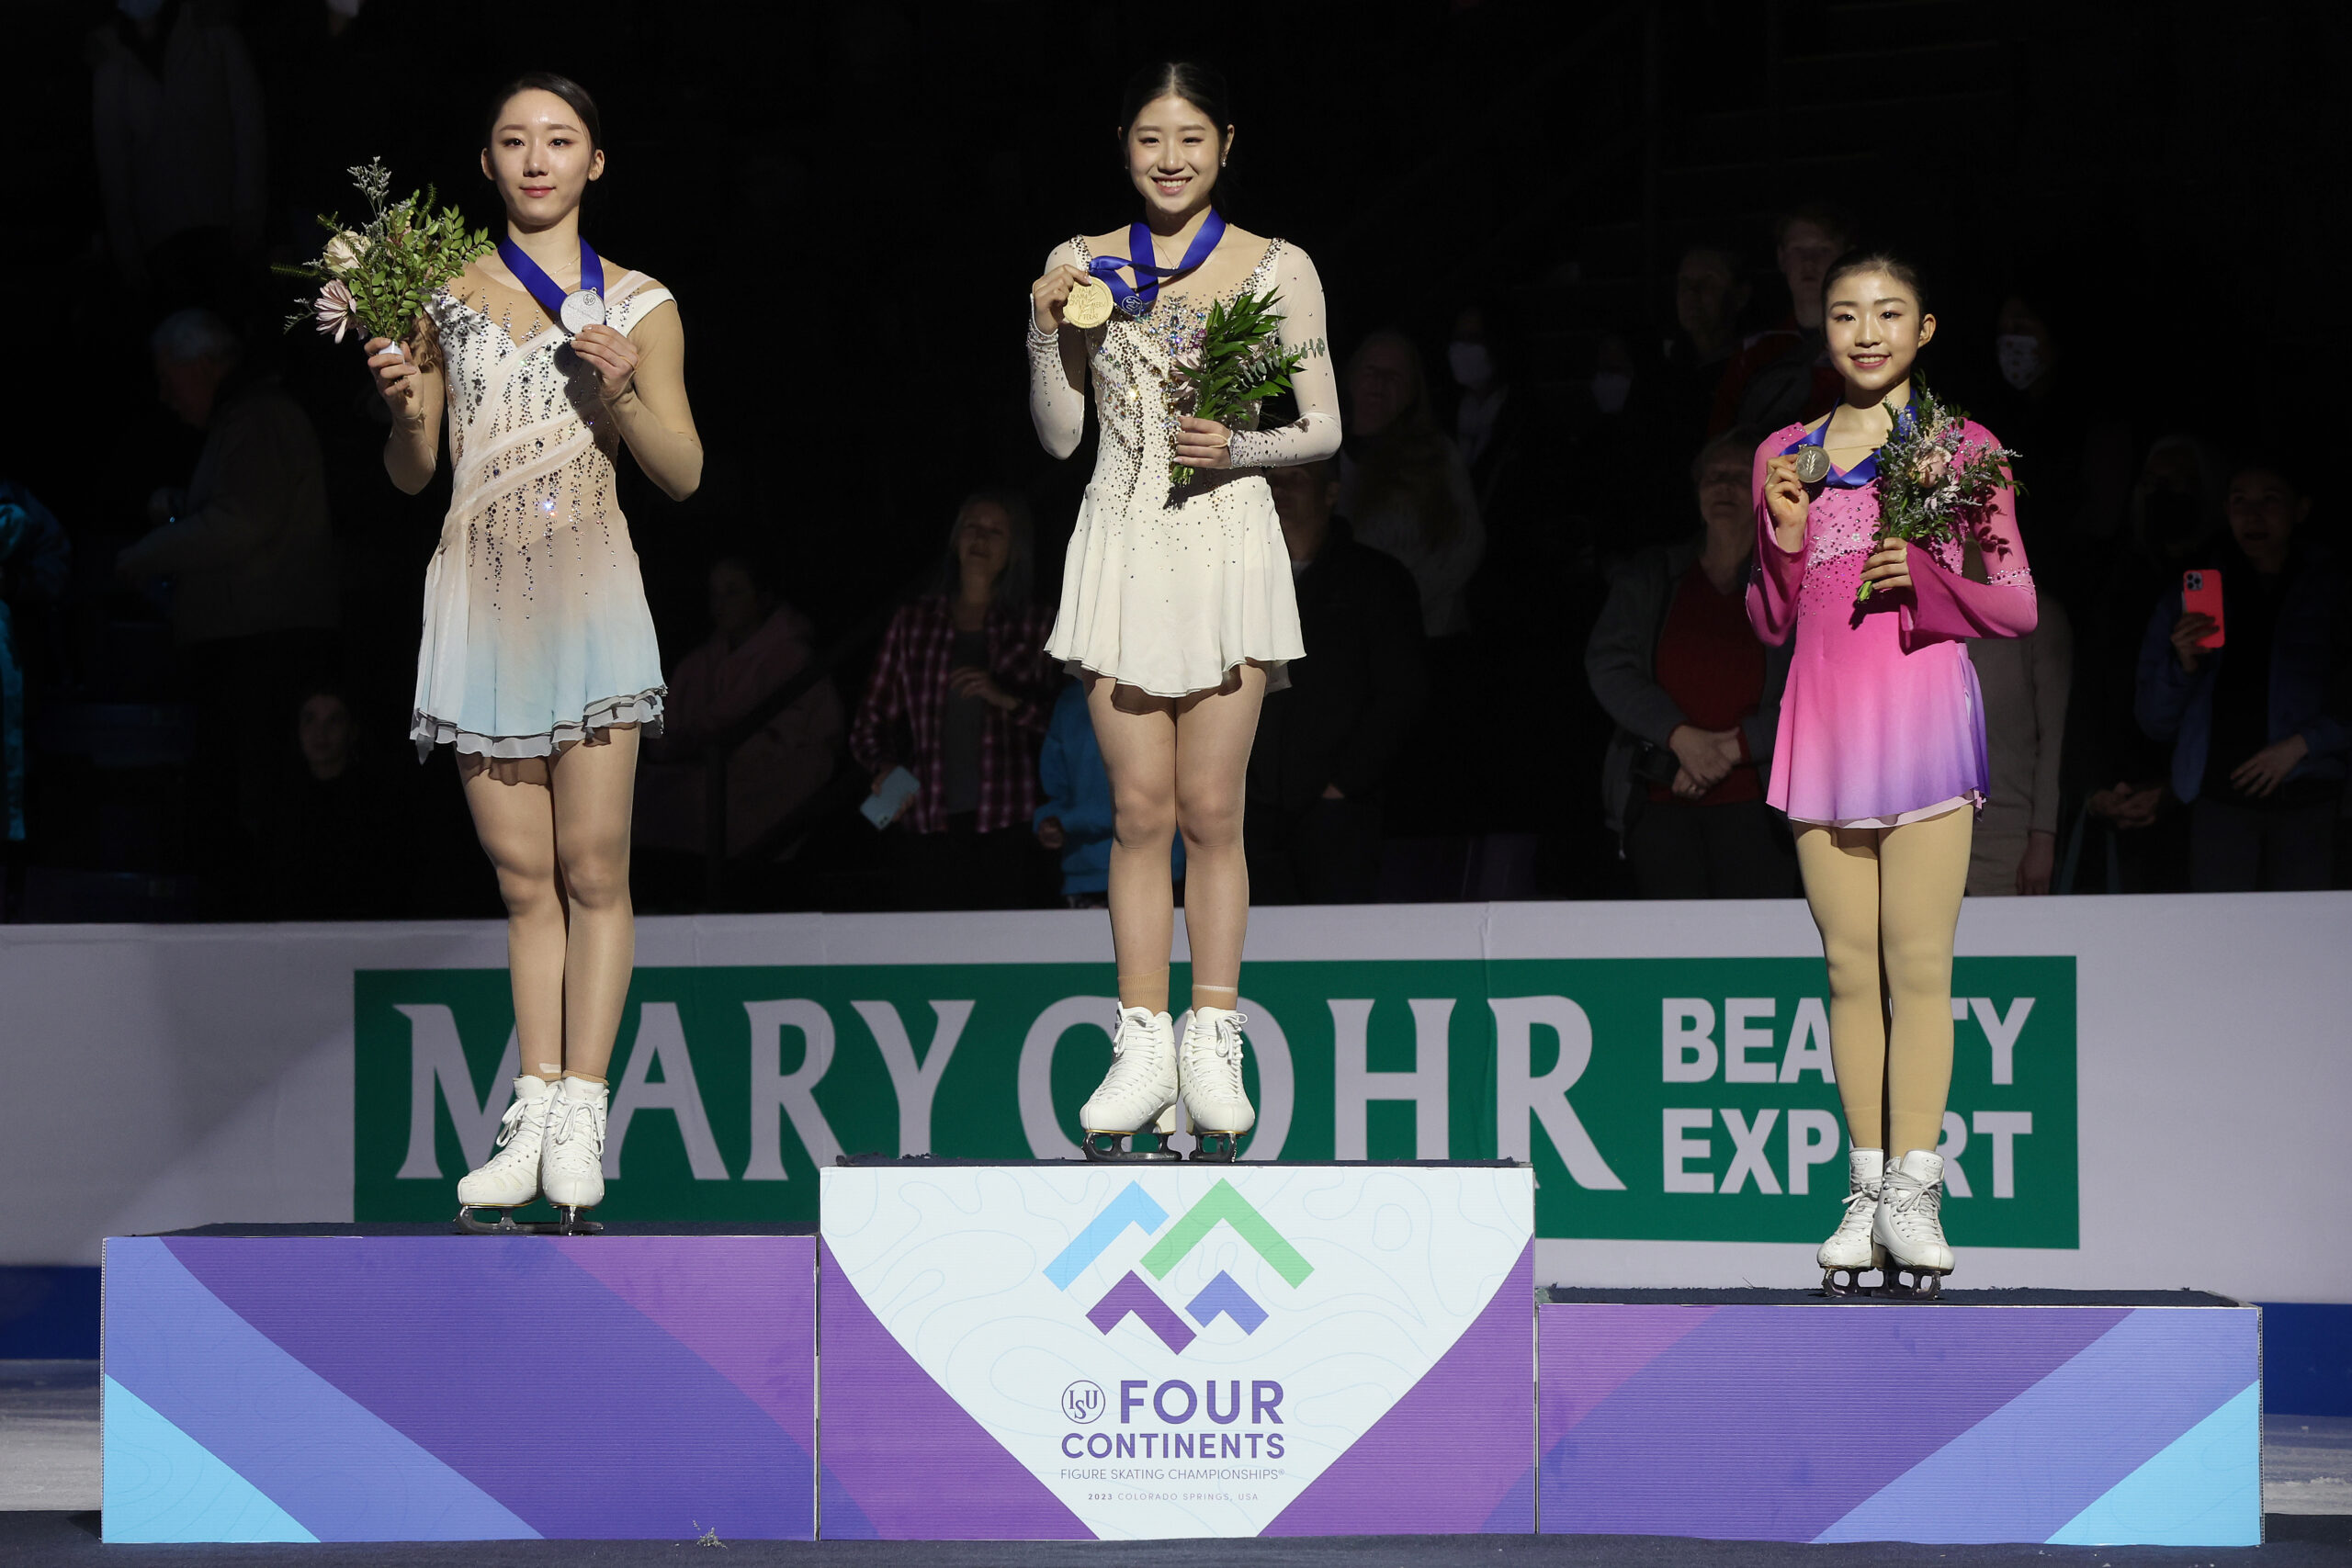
x=1879 y=763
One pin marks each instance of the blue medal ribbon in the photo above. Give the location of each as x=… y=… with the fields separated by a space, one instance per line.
x=1139 y=299
x=1861 y=473
x=542 y=288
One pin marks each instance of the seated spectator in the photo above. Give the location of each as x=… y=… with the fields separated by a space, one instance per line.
x=251 y=564
x=2023 y=681
x=960 y=698
x=340 y=845
x=2258 y=734
x=1075 y=820
x=1404 y=485
x=1325 y=748
x=35 y=559
x=1697 y=702
x=757 y=644
x=1782 y=374
x=1708 y=295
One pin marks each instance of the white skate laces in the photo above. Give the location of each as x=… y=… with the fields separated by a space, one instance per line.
x=573 y=1171
x=1135 y=1056
x=1209 y=1068
x=1909 y=1223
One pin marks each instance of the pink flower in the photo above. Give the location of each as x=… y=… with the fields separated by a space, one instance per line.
x=1931 y=468
x=335 y=311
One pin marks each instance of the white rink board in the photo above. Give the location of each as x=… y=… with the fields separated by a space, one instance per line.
x=159 y=1077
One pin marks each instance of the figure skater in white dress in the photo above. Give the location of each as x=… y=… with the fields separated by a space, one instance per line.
x=538 y=663
x=1177 y=609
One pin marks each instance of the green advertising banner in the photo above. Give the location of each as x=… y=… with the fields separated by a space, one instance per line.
x=1660 y=1099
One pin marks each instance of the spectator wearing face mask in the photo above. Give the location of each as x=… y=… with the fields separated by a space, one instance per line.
x=1488 y=423
x=2257 y=725
x=2073 y=451
x=1708 y=295
x=1696 y=698
x=1783 y=375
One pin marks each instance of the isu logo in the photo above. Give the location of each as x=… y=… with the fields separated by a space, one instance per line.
x=1082 y=1402
x=1224 y=1294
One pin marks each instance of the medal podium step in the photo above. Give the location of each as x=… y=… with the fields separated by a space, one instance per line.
x=384 y=1383
x=2056 y=1416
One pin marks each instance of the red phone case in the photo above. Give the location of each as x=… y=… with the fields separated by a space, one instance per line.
x=2200 y=594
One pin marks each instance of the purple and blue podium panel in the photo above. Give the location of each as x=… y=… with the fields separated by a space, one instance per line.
x=1947 y=1423
x=1068 y=1351
x=459 y=1388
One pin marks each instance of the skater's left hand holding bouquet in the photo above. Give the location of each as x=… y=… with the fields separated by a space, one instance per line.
x=377 y=278
x=1203 y=444
x=1889 y=566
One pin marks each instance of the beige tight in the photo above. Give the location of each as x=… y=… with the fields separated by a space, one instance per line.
x=1178 y=765
x=1887 y=901
x=557 y=832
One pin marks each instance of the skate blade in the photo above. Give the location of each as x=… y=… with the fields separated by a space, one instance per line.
x=1914 y=1284
x=468 y=1225
x=569 y=1223
x=1844 y=1283
x=1222 y=1148
x=1119 y=1151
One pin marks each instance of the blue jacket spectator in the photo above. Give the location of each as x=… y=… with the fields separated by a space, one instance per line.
x=2257 y=725
x=1076 y=816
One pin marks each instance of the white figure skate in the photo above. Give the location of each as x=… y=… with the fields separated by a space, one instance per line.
x=1851 y=1250
x=1909 y=1228
x=571 y=1166
x=509 y=1180
x=1208 y=1066
x=1139 y=1094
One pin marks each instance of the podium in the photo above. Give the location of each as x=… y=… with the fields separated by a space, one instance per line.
x=360 y=1383
x=2060 y=1416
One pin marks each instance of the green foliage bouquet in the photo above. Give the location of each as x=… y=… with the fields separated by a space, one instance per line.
x=1933 y=482
x=375 y=278
x=1237 y=366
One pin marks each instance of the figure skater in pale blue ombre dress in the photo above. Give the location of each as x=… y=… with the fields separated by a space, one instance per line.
x=538 y=663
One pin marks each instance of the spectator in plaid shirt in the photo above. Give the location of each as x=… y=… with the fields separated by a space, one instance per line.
x=960 y=698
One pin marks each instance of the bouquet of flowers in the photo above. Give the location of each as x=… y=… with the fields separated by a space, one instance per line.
x=1237 y=366
x=1933 y=483
x=377 y=277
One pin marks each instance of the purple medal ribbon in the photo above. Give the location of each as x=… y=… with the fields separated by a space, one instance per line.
x=1861 y=473
x=1138 y=300
x=542 y=288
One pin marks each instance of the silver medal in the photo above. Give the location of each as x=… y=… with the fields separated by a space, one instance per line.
x=1812 y=463
x=584 y=308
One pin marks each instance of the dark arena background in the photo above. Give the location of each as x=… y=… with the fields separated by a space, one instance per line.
x=2131 y=221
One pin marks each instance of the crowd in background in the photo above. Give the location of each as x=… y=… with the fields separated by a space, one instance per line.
x=1530 y=672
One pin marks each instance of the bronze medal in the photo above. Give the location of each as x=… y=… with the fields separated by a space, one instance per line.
x=1089 y=304
x=1813 y=466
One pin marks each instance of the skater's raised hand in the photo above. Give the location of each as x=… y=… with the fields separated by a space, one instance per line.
x=1786 y=500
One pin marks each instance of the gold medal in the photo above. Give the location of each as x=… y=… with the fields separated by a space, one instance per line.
x=1813 y=466
x=1089 y=304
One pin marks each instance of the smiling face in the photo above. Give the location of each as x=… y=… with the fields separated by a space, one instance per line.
x=1173 y=156
x=1876 y=330
x=541 y=158
x=984 y=540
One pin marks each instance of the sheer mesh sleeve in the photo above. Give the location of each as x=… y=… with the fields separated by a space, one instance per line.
x=1057 y=373
x=1945 y=606
x=1315 y=434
